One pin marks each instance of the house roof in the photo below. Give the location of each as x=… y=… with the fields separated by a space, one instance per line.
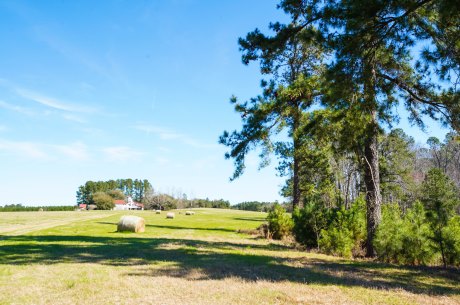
x=122 y=202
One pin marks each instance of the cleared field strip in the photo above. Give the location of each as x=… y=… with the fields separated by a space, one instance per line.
x=42 y=220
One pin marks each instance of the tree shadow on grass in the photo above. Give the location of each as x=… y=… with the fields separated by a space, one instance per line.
x=256 y=219
x=198 y=259
x=180 y=227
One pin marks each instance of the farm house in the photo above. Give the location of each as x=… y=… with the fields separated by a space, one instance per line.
x=128 y=204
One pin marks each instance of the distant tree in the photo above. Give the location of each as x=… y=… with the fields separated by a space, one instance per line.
x=254 y=206
x=103 y=201
x=159 y=201
x=446 y=155
x=396 y=162
x=22 y=208
x=137 y=189
x=116 y=194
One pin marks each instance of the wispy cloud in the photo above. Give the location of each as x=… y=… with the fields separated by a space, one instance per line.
x=163 y=133
x=122 y=153
x=68 y=111
x=76 y=151
x=168 y=134
x=3 y=128
x=24 y=149
x=53 y=102
x=161 y=160
x=16 y=108
x=74 y=118
x=93 y=131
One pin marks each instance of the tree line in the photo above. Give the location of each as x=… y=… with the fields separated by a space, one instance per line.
x=333 y=78
x=106 y=191
x=257 y=206
x=162 y=201
x=21 y=208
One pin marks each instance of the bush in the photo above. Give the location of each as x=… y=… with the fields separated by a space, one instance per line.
x=308 y=223
x=279 y=222
x=346 y=233
x=417 y=247
x=336 y=240
x=440 y=198
x=404 y=239
x=103 y=201
x=452 y=240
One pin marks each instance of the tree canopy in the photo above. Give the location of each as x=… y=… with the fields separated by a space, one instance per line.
x=356 y=61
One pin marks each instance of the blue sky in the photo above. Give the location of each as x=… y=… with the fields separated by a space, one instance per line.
x=98 y=90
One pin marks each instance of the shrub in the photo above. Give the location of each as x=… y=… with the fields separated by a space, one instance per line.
x=308 y=223
x=416 y=237
x=452 y=240
x=440 y=198
x=346 y=233
x=279 y=222
x=103 y=201
x=388 y=241
x=404 y=239
x=415 y=232
x=337 y=238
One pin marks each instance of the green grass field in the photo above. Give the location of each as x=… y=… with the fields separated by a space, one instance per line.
x=79 y=258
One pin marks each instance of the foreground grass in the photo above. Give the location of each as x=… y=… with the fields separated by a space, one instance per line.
x=78 y=258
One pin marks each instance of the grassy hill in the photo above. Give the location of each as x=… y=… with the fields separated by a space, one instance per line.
x=79 y=258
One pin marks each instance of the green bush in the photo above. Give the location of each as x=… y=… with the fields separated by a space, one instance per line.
x=404 y=239
x=279 y=222
x=388 y=241
x=440 y=199
x=308 y=223
x=346 y=233
x=336 y=240
x=452 y=240
x=103 y=201
x=417 y=247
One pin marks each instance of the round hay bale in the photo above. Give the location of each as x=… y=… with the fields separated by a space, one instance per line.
x=170 y=215
x=158 y=211
x=131 y=224
x=189 y=213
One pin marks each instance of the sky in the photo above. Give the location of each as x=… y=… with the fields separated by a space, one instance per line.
x=100 y=90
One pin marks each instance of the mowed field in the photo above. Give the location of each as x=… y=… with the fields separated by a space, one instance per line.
x=79 y=258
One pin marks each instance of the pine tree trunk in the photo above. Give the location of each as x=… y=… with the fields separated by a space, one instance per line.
x=371 y=161
x=372 y=182
x=295 y=185
x=296 y=202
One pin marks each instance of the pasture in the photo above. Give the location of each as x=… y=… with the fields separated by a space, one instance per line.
x=79 y=258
